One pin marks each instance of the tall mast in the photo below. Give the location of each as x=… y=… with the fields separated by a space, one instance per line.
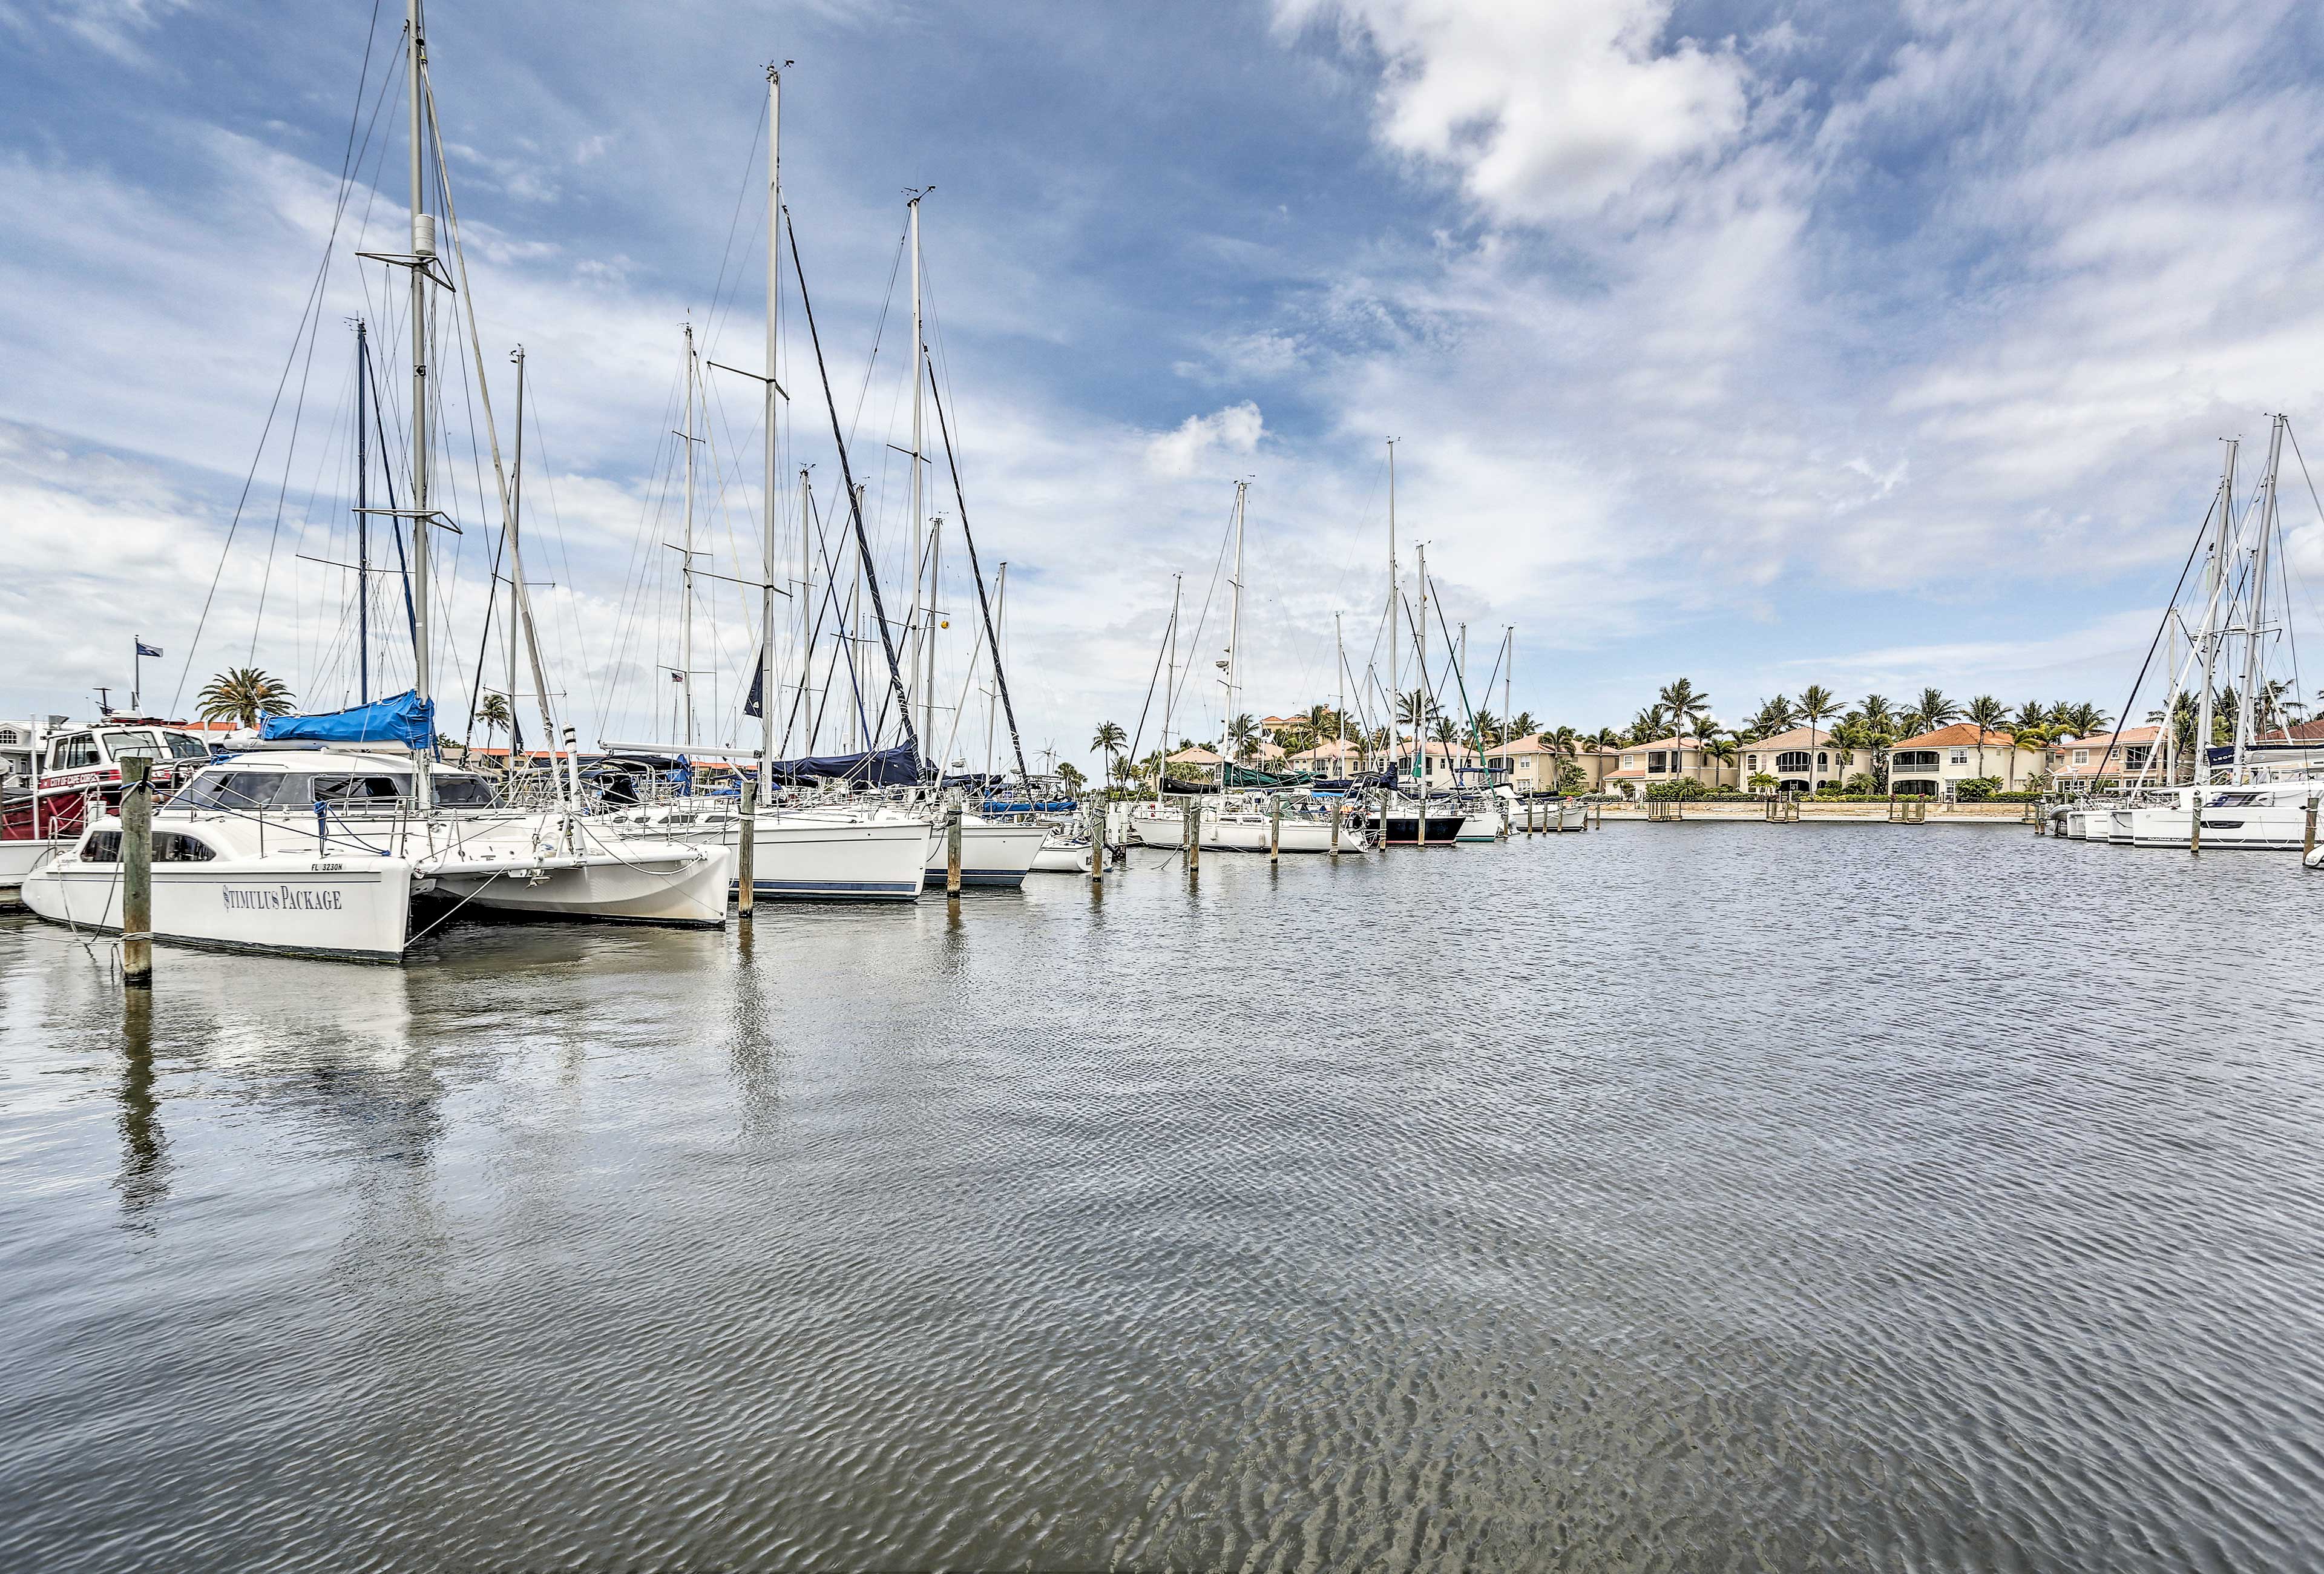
x=423 y=247
x=918 y=644
x=1234 y=633
x=1420 y=705
x=805 y=599
x=766 y=674
x=1395 y=671
x=362 y=530
x=1340 y=643
x=516 y=565
x=685 y=559
x=2214 y=576
x=1508 y=674
x=2255 y=609
x=1170 y=691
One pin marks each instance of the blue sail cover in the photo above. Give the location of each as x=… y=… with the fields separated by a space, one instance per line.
x=896 y=767
x=404 y=720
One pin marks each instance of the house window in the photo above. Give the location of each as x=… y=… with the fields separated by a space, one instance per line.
x=8 y=736
x=1750 y=762
x=1823 y=760
x=1791 y=760
x=2081 y=756
x=1659 y=763
x=1960 y=756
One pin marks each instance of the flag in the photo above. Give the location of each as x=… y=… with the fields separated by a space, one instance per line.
x=145 y=650
x=677 y=677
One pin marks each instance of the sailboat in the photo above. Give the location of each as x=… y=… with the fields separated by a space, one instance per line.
x=319 y=838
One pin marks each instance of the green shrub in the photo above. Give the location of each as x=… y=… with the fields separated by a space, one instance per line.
x=1682 y=787
x=1977 y=788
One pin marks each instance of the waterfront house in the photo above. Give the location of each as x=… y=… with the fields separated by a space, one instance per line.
x=1800 y=760
x=1932 y=763
x=1666 y=760
x=2106 y=757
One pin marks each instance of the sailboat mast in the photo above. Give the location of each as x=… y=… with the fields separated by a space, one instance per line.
x=806 y=594
x=686 y=558
x=363 y=529
x=1420 y=703
x=1508 y=674
x=1170 y=691
x=516 y=564
x=1340 y=644
x=766 y=675
x=423 y=247
x=2214 y=575
x=1395 y=671
x=917 y=649
x=1234 y=633
x=2254 y=610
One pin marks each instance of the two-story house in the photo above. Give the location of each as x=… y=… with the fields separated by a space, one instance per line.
x=1800 y=760
x=1931 y=763
x=2106 y=756
x=1667 y=759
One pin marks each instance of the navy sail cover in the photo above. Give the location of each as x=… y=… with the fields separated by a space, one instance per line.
x=402 y=720
x=896 y=767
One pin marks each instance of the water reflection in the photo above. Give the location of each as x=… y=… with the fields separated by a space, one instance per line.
x=143 y=1178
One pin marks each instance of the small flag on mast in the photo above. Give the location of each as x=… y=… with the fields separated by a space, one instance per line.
x=145 y=650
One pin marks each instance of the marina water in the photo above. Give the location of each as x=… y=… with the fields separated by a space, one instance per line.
x=1681 y=1197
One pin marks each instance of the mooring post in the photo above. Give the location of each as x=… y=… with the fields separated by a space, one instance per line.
x=2195 y=819
x=1336 y=803
x=1193 y=835
x=952 y=852
x=1097 y=841
x=746 y=864
x=2308 y=841
x=1274 y=828
x=137 y=873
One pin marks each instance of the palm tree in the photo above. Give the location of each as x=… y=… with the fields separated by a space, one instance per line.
x=494 y=713
x=1488 y=727
x=2081 y=718
x=1774 y=716
x=1988 y=713
x=1242 y=735
x=1609 y=738
x=1718 y=749
x=1108 y=738
x=1415 y=710
x=1647 y=726
x=1934 y=710
x=1523 y=725
x=242 y=695
x=1687 y=708
x=1816 y=703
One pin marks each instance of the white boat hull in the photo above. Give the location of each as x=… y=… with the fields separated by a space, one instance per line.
x=1062 y=857
x=1236 y=833
x=20 y=858
x=990 y=855
x=633 y=881
x=356 y=908
x=804 y=856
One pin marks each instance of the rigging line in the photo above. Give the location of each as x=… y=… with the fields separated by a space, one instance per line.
x=2202 y=767
x=1152 y=678
x=314 y=294
x=1179 y=694
x=976 y=569
x=750 y=170
x=557 y=529
x=879 y=329
x=395 y=524
x=855 y=508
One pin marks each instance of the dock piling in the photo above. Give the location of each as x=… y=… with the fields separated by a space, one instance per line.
x=746 y=857
x=952 y=852
x=137 y=873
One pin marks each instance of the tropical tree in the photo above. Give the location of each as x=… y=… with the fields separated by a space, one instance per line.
x=1933 y=710
x=1609 y=738
x=1774 y=716
x=1487 y=726
x=1761 y=781
x=1565 y=741
x=1719 y=749
x=1687 y=708
x=1816 y=703
x=1109 y=740
x=2081 y=718
x=1415 y=710
x=1071 y=776
x=1988 y=714
x=1647 y=726
x=1523 y=725
x=1444 y=732
x=1242 y=735
x=242 y=695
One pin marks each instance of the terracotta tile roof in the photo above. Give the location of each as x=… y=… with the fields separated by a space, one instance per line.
x=1799 y=737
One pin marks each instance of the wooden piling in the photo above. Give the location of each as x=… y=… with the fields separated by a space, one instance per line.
x=1336 y=803
x=746 y=860
x=1097 y=841
x=952 y=852
x=137 y=873
x=2195 y=819
x=1193 y=817
x=1274 y=828
x=2308 y=838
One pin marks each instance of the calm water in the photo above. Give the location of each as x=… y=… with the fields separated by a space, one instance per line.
x=1702 y=1197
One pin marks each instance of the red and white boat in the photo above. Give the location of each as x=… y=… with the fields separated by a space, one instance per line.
x=75 y=779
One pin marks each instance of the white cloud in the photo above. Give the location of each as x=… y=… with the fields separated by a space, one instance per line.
x=1235 y=430
x=1543 y=111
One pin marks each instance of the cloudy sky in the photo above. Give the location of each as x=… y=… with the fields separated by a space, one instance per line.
x=1869 y=345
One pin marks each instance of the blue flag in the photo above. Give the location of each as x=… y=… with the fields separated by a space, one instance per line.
x=145 y=650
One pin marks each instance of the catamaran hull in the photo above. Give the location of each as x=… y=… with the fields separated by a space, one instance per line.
x=990 y=855
x=797 y=857
x=361 y=912
x=635 y=883
x=2262 y=827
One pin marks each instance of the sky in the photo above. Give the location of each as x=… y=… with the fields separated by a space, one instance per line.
x=1877 y=345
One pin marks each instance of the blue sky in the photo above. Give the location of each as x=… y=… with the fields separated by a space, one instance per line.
x=1762 y=344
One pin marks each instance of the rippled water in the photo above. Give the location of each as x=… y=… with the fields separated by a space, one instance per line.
x=1689 y=1197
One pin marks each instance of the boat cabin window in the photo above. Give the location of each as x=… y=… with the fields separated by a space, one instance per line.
x=356 y=790
x=230 y=789
x=77 y=752
x=463 y=792
x=175 y=847
x=185 y=746
x=170 y=846
x=122 y=743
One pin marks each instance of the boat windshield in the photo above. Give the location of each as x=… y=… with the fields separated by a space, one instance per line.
x=231 y=789
x=185 y=746
x=122 y=743
x=227 y=789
